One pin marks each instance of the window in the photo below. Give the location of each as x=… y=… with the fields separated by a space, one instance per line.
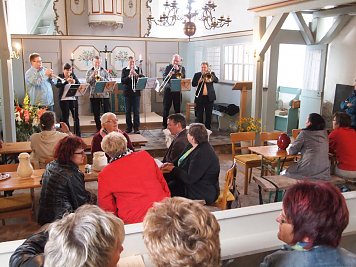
x=238 y=63
x=213 y=58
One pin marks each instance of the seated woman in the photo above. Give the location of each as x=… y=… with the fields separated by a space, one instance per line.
x=181 y=232
x=108 y=124
x=198 y=167
x=63 y=188
x=312 y=143
x=342 y=143
x=311 y=223
x=43 y=143
x=131 y=182
x=66 y=242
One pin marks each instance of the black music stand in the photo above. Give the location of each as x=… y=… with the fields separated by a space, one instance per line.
x=69 y=93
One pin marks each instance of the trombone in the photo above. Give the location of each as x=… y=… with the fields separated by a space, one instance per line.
x=207 y=77
x=179 y=75
x=133 y=79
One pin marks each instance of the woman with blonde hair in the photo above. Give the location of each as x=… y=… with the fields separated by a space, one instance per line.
x=131 y=183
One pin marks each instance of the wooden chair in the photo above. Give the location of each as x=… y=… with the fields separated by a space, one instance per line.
x=18 y=205
x=295 y=133
x=225 y=194
x=269 y=136
x=248 y=161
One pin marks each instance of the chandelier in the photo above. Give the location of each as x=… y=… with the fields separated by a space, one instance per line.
x=170 y=16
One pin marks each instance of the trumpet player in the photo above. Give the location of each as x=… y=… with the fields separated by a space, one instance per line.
x=39 y=83
x=129 y=77
x=171 y=72
x=68 y=77
x=98 y=100
x=205 y=93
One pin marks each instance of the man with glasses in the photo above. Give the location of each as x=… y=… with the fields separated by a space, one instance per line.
x=39 y=83
x=109 y=124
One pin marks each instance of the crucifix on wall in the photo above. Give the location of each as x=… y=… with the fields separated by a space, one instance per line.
x=107 y=52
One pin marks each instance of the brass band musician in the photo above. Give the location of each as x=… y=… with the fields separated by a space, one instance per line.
x=68 y=77
x=205 y=93
x=173 y=71
x=129 y=77
x=94 y=75
x=39 y=83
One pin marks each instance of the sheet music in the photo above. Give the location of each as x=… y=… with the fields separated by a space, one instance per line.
x=131 y=261
x=151 y=83
x=158 y=162
x=109 y=86
x=186 y=84
x=82 y=89
x=67 y=87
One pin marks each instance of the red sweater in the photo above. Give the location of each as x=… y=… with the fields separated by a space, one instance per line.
x=130 y=185
x=342 y=142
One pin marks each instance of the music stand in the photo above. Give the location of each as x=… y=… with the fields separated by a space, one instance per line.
x=150 y=83
x=243 y=87
x=104 y=87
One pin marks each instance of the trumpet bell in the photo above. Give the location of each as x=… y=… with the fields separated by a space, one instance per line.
x=208 y=77
x=97 y=78
x=179 y=75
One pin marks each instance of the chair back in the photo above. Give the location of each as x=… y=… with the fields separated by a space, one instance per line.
x=295 y=133
x=235 y=138
x=9 y=167
x=269 y=136
x=229 y=183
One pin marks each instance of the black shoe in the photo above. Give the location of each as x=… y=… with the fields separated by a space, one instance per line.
x=128 y=130
x=137 y=131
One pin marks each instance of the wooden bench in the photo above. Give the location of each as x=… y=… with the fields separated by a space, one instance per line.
x=279 y=183
x=16 y=206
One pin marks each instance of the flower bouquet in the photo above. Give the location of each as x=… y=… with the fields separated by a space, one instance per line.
x=112 y=73
x=27 y=119
x=248 y=124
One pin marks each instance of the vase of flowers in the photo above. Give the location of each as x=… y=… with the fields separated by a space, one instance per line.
x=27 y=119
x=247 y=124
x=112 y=73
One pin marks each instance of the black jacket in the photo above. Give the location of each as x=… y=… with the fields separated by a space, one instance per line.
x=209 y=86
x=30 y=253
x=61 y=85
x=167 y=71
x=127 y=82
x=176 y=148
x=199 y=173
x=63 y=191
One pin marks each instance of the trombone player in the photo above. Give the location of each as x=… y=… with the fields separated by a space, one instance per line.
x=39 y=83
x=173 y=71
x=129 y=77
x=98 y=100
x=205 y=93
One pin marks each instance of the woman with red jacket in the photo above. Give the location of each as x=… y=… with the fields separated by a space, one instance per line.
x=131 y=183
x=342 y=143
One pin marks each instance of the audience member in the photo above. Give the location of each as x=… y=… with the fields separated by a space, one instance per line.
x=342 y=143
x=43 y=143
x=39 y=83
x=180 y=232
x=132 y=181
x=63 y=188
x=312 y=143
x=108 y=124
x=87 y=238
x=311 y=223
x=349 y=105
x=198 y=167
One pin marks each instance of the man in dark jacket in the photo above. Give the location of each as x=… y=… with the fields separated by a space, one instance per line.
x=129 y=77
x=205 y=94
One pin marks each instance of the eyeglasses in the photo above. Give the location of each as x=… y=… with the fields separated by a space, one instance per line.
x=80 y=153
x=282 y=218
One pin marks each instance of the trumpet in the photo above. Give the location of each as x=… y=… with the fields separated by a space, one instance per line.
x=179 y=75
x=97 y=74
x=54 y=75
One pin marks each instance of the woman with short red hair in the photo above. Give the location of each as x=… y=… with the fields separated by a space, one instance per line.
x=63 y=189
x=311 y=223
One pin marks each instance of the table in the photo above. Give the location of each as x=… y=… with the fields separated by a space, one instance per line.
x=16 y=148
x=271 y=153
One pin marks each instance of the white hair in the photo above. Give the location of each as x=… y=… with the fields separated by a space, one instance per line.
x=114 y=144
x=104 y=117
x=86 y=238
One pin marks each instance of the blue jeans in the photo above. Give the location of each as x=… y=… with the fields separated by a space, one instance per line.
x=132 y=104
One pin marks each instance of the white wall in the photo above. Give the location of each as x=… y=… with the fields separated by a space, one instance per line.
x=341 y=61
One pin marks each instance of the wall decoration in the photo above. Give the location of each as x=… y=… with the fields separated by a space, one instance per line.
x=47 y=65
x=120 y=57
x=160 y=69
x=130 y=8
x=77 y=6
x=83 y=56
